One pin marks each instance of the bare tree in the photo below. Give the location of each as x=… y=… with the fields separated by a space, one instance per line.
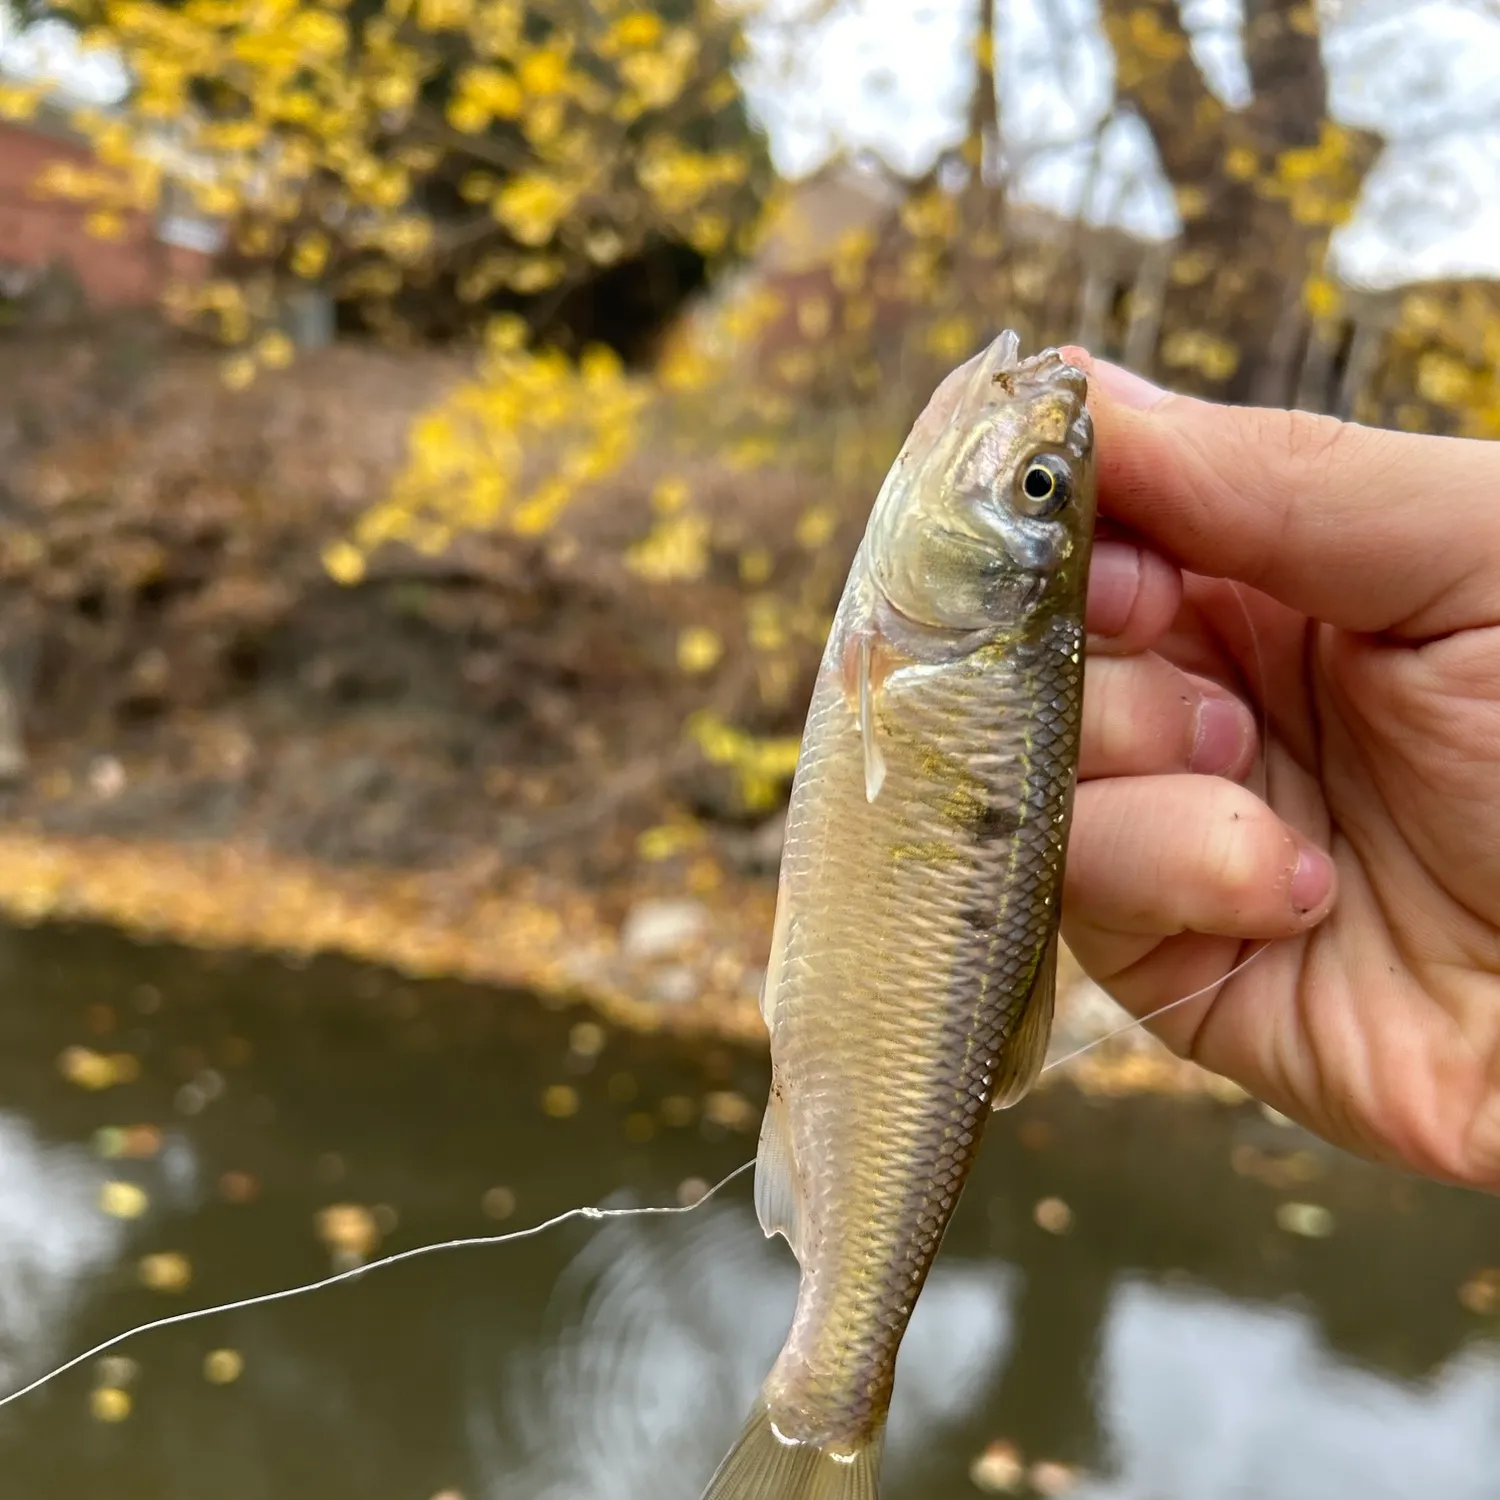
x=1260 y=189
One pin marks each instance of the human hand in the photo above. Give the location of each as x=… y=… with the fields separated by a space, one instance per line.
x=1345 y=582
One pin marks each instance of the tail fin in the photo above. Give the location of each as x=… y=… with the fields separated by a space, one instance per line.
x=763 y=1465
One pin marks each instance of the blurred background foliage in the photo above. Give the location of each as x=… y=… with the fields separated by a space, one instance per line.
x=653 y=339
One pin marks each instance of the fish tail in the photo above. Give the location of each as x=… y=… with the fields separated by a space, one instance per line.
x=763 y=1465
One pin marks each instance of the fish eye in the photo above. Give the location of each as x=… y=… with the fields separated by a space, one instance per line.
x=1045 y=485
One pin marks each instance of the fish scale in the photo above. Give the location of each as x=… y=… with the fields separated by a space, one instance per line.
x=910 y=978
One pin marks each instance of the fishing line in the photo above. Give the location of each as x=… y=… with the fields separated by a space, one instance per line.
x=1258 y=687
x=595 y=1214
x=1160 y=1010
x=264 y=1299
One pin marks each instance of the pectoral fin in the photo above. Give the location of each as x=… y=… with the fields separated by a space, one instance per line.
x=874 y=760
x=778 y=1191
x=867 y=662
x=1022 y=1058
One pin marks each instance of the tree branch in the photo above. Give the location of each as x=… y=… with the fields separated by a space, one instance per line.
x=1155 y=74
x=1286 y=71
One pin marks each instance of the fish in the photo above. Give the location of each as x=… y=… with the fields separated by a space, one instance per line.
x=913 y=959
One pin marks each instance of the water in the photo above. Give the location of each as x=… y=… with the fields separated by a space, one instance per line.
x=1173 y=1344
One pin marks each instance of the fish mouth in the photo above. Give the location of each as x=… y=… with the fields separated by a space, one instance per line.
x=999 y=373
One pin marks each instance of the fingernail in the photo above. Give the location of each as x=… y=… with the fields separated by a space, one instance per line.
x=1224 y=730
x=1114 y=582
x=1126 y=387
x=1311 y=880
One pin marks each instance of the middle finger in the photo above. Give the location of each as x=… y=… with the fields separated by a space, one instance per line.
x=1142 y=716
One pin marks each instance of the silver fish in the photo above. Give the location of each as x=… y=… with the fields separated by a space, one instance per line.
x=913 y=961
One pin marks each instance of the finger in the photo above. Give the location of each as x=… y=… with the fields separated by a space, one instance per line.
x=1173 y=988
x=1153 y=856
x=1133 y=596
x=1364 y=528
x=1144 y=717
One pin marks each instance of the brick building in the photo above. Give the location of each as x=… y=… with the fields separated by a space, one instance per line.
x=39 y=233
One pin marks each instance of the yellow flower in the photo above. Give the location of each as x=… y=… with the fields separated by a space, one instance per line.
x=275 y=351
x=506 y=334
x=104 y=225
x=951 y=338
x=237 y=373
x=640 y=28
x=344 y=563
x=544 y=72
x=815 y=527
x=310 y=255
x=698 y=649
x=1321 y=297
x=444 y=15
x=531 y=206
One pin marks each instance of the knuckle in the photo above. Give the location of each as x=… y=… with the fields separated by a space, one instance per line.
x=1241 y=859
x=1478 y=1156
x=1139 y=715
x=1106 y=711
x=1303 y=438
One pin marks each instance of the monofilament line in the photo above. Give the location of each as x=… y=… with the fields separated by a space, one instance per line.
x=1161 y=1010
x=1258 y=687
x=264 y=1299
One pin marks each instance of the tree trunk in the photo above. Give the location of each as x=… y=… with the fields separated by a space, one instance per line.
x=1259 y=190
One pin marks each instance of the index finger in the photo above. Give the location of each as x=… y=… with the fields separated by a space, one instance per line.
x=1365 y=528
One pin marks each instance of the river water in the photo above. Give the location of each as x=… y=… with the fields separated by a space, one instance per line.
x=1168 y=1331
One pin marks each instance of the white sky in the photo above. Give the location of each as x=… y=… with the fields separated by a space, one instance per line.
x=891 y=75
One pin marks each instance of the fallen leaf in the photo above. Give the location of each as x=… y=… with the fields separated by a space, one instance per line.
x=349 y=1230
x=165 y=1272
x=1311 y=1220
x=498 y=1203
x=123 y=1200
x=1049 y=1478
x=729 y=1109
x=92 y=1070
x=586 y=1039
x=109 y=1404
x=678 y=1109
x=1481 y=1292
x=998 y=1469
x=238 y=1187
x=560 y=1101
x=1053 y=1215
x=223 y=1366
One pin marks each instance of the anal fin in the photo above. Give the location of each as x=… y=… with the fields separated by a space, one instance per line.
x=778 y=1195
x=1025 y=1050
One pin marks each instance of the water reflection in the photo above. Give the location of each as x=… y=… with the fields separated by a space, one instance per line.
x=660 y=1335
x=1174 y=1343
x=1271 y=1412
x=52 y=1241
x=653 y=1333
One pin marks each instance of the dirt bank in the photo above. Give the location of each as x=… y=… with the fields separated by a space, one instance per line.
x=470 y=765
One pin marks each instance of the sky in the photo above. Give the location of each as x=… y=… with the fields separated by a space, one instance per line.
x=891 y=76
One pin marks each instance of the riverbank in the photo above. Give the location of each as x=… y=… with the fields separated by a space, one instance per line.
x=469 y=765
x=686 y=964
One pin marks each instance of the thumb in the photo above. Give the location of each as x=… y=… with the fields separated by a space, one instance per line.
x=1368 y=529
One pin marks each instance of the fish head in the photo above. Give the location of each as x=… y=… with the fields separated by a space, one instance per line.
x=988 y=512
